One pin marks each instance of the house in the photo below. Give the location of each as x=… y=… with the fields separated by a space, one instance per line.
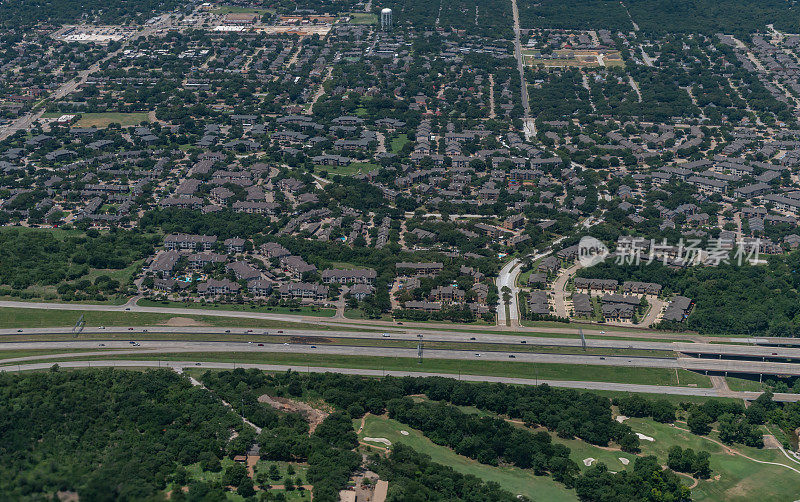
x=619 y=307
x=588 y=285
x=200 y=260
x=186 y=241
x=549 y=264
x=274 y=250
x=303 y=290
x=361 y=291
x=355 y=276
x=419 y=268
x=448 y=294
x=582 y=305
x=234 y=245
x=678 y=309
x=514 y=222
x=537 y=303
x=214 y=287
x=243 y=271
x=296 y=266
x=259 y=287
x=641 y=288
x=164 y=263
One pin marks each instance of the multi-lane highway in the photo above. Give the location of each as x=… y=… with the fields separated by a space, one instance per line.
x=736 y=365
x=180 y=365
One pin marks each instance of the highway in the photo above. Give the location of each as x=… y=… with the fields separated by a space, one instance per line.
x=402 y=334
x=180 y=365
x=155 y=347
x=508 y=278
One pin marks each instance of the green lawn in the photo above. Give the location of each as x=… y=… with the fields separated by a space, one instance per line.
x=517 y=481
x=235 y=307
x=739 y=479
x=13 y=317
x=398 y=143
x=744 y=384
x=363 y=18
x=653 y=376
x=102 y=120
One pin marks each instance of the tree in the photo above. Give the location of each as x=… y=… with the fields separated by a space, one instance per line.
x=699 y=422
x=274 y=473
x=245 y=488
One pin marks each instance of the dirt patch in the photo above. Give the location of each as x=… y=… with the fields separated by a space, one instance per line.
x=770 y=442
x=65 y=496
x=181 y=322
x=312 y=415
x=310 y=339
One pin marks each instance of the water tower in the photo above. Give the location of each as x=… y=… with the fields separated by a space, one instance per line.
x=386 y=19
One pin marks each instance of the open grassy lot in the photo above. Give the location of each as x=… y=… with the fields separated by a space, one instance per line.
x=653 y=376
x=517 y=481
x=245 y=307
x=102 y=120
x=363 y=18
x=14 y=317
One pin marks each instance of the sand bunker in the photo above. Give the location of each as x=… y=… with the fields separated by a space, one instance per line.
x=642 y=436
x=378 y=440
x=405 y=433
x=621 y=418
x=624 y=460
x=588 y=461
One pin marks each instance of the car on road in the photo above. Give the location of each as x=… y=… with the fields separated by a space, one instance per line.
x=130 y=329
x=249 y=342
x=512 y=356
x=127 y=308
x=523 y=341
x=286 y=343
x=313 y=346
x=136 y=344
x=197 y=364
x=19 y=331
x=602 y=332
x=280 y=331
x=227 y=331
x=472 y=338
x=260 y=344
x=102 y=327
x=477 y=354
x=386 y=335
x=144 y=331
x=102 y=345
x=400 y=323
x=602 y=358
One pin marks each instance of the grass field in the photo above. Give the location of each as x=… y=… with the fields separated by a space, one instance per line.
x=653 y=376
x=734 y=478
x=234 y=307
x=13 y=317
x=517 y=481
x=363 y=18
x=102 y=120
x=398 y=143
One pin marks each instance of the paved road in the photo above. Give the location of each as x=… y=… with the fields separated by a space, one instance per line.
x=716 y=365
x=179 y=365
x=559 y=289
x=151 y=334
x=508 y=278
x=529 y=126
